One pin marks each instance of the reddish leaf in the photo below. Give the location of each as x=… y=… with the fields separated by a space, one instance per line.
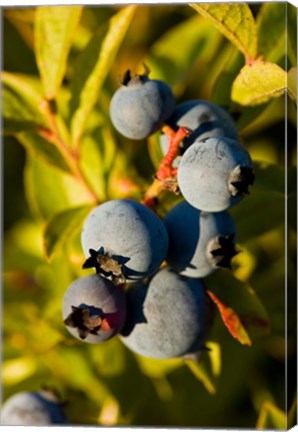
x=231 y=321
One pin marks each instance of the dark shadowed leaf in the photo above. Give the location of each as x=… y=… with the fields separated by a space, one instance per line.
x=270 y=177
x=271 y=24
x=61 y=226
x=54 y=30
x=258 y=213
x=200 y=372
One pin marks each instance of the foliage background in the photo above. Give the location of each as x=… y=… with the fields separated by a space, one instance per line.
x=48 y=192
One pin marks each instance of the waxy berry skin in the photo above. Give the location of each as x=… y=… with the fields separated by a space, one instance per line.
x=215 y=174
x=94 y=309
x=130 y=232
x=32 y=409
x=169 y=317
x=205 y=119
x=199 y=242
x=140 y=106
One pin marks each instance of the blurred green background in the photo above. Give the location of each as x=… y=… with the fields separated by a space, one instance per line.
x=107 y=384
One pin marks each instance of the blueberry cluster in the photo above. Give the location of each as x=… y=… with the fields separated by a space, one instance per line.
x=148 y=287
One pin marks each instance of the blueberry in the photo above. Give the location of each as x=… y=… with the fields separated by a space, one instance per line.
x=199 y=242
x=204 y=118
x=127 y=232
x=215 y=174
x=140 y=106
x=32 y=409
x=94 y=309
x=169 y=317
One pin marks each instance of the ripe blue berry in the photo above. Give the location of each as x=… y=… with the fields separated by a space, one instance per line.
x=140 y=106
x=169 y=317
x=32 y=409
x=130 y=234
x=199 y=242
x=215 y=173
x=94 y=309
x=204 y=118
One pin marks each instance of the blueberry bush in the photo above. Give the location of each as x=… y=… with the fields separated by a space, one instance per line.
x=149 y=164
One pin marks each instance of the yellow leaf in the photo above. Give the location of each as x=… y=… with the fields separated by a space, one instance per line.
x=17 y=370
x=235 y=22
x=258 y=83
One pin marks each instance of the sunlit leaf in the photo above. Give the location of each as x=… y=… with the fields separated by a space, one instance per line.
x=271 y=417
x=245 y=263
x=157 y=368
x=20 y=103
x=61 y=226
x=54 y=30
x=214 y=353
x=49 y=190
x=92 y=68
x=236 y=22
x=17 y=370
x=39 y=147
x=271 y=24
x=292 y=83
x=240 y=308
x=259 y=82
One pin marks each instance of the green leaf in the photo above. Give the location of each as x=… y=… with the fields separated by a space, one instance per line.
x=236 y=22
x=165 y=59
x=241 y=299
x=92 y=68
x=39 y=147
x=54 y=30
x=271 y=417
x=61 y=226
x=21 y=103
x=271 y=25
x=258 y=83
x=292 y=83
x=49 y=190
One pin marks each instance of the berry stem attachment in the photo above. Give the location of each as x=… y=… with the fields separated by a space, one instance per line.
x=166 y=176
x=165 y=169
